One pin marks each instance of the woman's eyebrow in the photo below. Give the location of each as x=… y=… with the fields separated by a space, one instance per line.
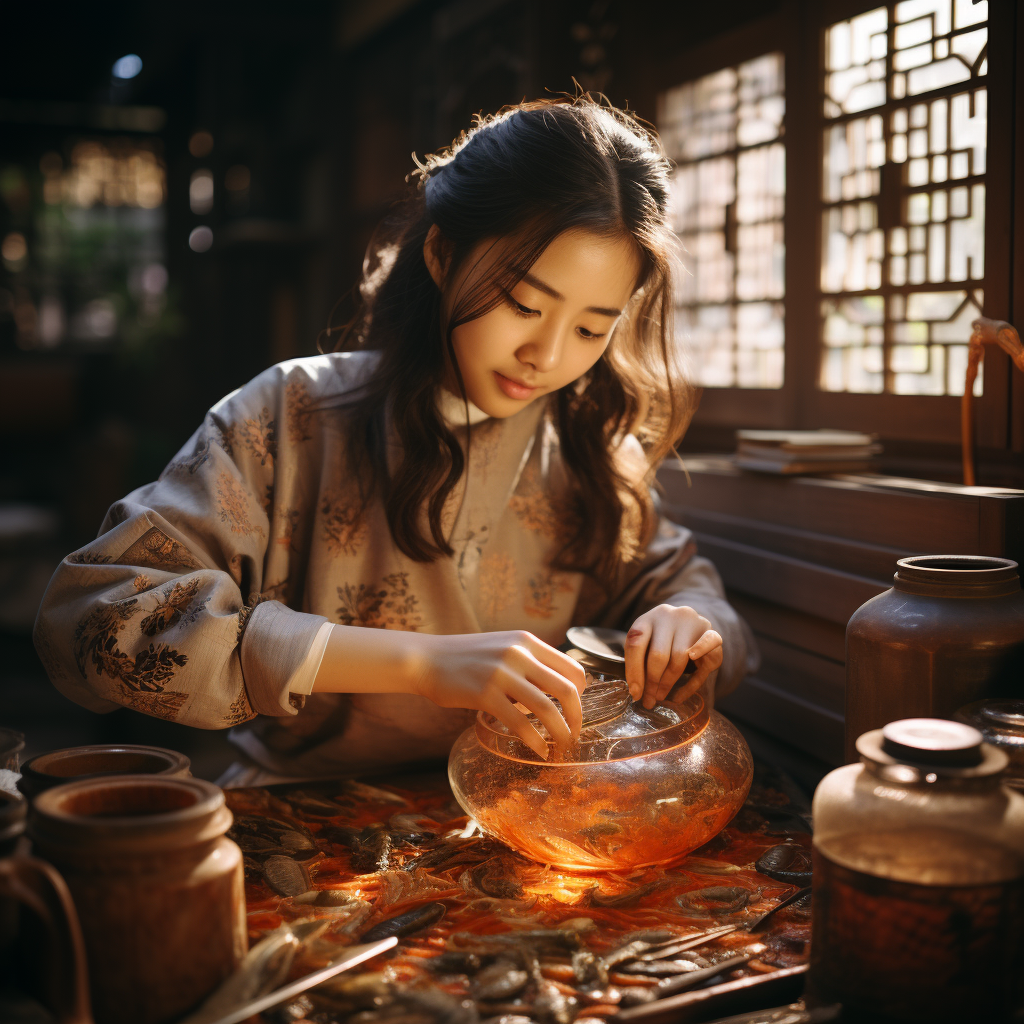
x=537 y=283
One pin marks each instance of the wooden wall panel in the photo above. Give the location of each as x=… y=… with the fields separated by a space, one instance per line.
x=799 y=555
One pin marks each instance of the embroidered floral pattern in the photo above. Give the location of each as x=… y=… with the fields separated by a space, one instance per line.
x=258 y=437
x=288 y=522
x=239 y=710
x=141 y=679
x=541 y=593
x=88 y=558
x=497 y=584
x=156 y=550
x=300 y=411
x=276 y=591
x=391 y=606
x=244 y=614
x=484 y=440
x=191 y=463
x=142 y=582
x=233 y=505
x=344 y=528
x=174 y=608
x=538 y=511
x=225 y=438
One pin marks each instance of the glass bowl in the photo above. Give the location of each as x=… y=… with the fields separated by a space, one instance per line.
x=639 y=788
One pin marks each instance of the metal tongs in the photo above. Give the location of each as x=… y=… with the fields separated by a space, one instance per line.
x=350 y=958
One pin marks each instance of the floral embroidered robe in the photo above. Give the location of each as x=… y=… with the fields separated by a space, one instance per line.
x=203 y=592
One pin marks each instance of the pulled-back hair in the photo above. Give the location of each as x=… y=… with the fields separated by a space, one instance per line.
x=523 y=176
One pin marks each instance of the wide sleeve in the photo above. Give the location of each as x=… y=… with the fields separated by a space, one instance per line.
x=163 y=613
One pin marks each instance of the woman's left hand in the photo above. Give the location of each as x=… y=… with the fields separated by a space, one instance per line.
x=659 y=646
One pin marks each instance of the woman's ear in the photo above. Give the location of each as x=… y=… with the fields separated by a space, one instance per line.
x=435 y=255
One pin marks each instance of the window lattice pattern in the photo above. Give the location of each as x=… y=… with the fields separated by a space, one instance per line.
x=904 y=196
x=724 y=132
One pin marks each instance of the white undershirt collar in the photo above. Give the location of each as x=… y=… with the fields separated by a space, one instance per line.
x=454 y=410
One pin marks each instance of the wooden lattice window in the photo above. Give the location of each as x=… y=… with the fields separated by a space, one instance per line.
x=724 y=132
x=903 y=182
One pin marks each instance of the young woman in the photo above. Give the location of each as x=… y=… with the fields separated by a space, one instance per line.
x=363 y=548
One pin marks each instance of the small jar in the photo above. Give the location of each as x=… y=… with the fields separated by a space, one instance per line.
x=1001 y=723
x=89 y=762
x=919 y=878
x=158 y=888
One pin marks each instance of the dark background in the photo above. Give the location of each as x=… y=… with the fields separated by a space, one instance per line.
x=323 y=104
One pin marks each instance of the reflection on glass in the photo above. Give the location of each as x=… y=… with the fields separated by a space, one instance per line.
x=729 y=193
x=903 y=192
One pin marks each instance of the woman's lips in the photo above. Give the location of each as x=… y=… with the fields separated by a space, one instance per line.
x=513 y=388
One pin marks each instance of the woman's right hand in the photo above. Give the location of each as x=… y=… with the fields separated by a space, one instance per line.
x=493 y=672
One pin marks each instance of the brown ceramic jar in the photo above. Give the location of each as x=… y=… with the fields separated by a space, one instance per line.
x=59 y=766
x=157 y=885
x=933 y=642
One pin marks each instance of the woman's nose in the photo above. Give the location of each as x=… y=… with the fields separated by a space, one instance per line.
x=544 y=349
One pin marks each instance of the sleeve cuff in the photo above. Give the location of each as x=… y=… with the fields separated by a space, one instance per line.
x=276 y=645
x=305 y=675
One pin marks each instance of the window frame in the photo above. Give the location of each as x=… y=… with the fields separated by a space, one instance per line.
x=797 y=30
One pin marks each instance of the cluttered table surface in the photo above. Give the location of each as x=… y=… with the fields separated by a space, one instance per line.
x=484 y=933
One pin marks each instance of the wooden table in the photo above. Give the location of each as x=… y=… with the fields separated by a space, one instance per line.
x=499 y=906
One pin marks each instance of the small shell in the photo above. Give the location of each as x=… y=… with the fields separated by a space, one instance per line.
x=405 y=924
x=501 y=980
x=717 y=899
x=786 y=862
x=286 y=876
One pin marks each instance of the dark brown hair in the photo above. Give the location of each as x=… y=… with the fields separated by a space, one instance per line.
x=524 y=176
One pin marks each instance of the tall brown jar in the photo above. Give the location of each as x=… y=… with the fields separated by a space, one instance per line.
x=931 y=643
x=157 y=885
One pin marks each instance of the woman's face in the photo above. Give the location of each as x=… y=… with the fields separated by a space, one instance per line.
x=551 y=328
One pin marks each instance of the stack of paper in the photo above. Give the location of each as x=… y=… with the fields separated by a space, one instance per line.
x=805 y=451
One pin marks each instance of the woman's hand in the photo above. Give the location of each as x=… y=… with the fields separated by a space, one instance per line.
x=495 y=671
x=659 y=646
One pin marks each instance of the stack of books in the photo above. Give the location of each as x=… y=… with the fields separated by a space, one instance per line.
x=805 y=451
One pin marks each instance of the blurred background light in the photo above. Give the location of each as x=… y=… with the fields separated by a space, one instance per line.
x=200 y=239
x=128 y=66
x=237 y=178
x=200 y=191
x=201 y=144
x=154 y=279
x=14 y=249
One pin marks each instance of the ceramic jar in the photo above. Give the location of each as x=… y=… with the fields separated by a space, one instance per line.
x=157 y=886
x=933 y=642
x=59 y=766
x=919 y=879
x=1001 y=722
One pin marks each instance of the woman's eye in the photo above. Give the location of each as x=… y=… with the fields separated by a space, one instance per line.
x=518 y=308
x=588 y=335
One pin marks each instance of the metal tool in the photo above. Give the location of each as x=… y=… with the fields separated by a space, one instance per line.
x=606 y=644
x=759 y=922
x=350 y=958
x=609 y=644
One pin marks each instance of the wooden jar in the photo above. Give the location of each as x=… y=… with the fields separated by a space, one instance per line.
x=59 y=766
x=157 y=885
x=933 y=642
